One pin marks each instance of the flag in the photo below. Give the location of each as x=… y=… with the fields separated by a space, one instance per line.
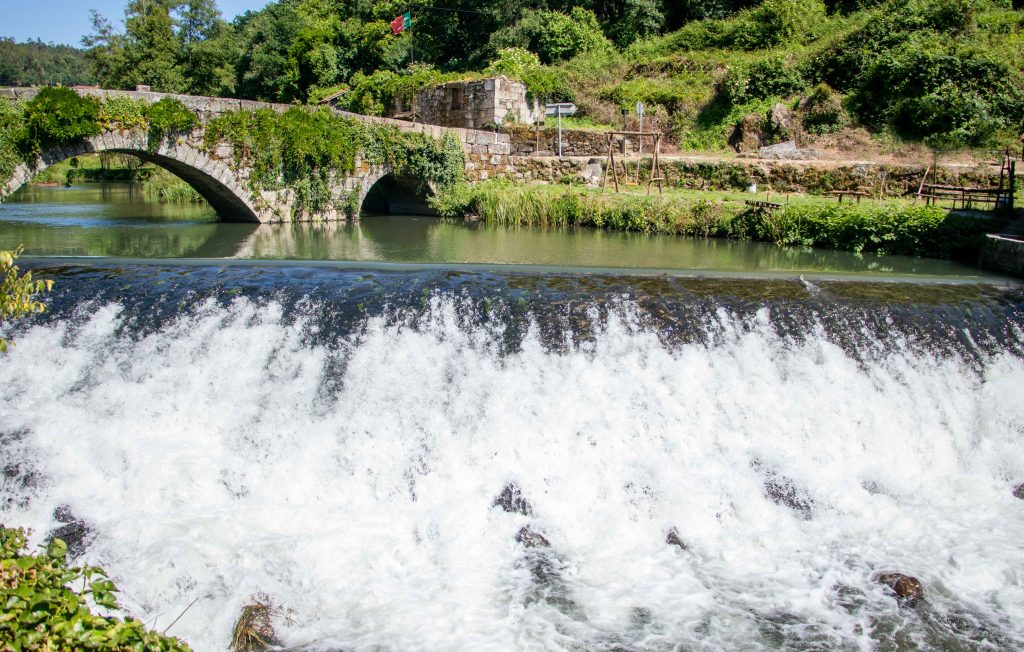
x=401 y=23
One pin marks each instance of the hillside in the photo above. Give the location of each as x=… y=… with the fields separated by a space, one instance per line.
x=945 y=73
x=856 y=76
x=35 y=63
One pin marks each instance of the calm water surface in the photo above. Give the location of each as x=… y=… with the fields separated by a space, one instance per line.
x=117 y=221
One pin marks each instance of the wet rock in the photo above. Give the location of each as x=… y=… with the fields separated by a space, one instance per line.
x=748 y=136
x=783 y=491
x=908 y=589
x=511 y=500
x=62 y=514
x=530 y=538
x=673 y=539
x=640 y=616
x=76 y=534
x=1018 y=491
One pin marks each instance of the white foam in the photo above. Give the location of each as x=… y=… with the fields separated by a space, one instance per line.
x=211 y=464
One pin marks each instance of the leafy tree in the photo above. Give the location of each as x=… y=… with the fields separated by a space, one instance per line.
x=553 y=36
x=266 y=69
x=640 y=18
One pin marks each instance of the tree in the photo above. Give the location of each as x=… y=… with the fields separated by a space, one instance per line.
x=266 y=69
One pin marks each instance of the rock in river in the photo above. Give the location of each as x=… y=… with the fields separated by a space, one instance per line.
x=511 y=500
x=908 y=589
x=530 y=538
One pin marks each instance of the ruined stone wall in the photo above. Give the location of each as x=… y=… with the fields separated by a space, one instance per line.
x=481 y=167
x=575 y=142
x=475 y=104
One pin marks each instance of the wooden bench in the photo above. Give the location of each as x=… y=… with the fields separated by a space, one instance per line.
x=766 y=205
x=840 y=194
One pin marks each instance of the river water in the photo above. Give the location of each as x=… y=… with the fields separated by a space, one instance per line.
x=335 y=437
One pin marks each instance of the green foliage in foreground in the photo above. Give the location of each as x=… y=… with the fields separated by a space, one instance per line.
x=42 y=610
x=18 y=294
x=891 y=228
x=306 y=150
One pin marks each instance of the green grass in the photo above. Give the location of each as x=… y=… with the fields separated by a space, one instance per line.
x=890 y=226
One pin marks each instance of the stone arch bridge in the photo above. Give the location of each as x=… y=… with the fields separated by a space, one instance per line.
x=214 y=175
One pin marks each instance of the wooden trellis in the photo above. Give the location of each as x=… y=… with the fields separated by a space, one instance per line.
x=611 y=165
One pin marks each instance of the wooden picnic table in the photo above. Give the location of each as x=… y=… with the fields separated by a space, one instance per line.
x=840 y=194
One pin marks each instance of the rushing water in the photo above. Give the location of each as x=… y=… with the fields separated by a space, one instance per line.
x=335 y=439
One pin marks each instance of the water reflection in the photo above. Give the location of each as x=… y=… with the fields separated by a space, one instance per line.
x=116 y=220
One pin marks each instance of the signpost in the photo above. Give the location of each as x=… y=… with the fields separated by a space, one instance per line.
x=640 y=114
x=558 y=110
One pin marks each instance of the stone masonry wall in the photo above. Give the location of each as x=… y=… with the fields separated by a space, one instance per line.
x=575 y=142
x=475 y=104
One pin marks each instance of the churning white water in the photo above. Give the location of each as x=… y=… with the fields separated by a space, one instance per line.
x=233 y=452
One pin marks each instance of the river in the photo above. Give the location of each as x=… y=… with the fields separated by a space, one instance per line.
x=336 y=436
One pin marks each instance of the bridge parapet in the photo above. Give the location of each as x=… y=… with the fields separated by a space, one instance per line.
x=474 y=141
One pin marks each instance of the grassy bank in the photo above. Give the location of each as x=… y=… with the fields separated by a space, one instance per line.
x=163 y=186
x=890 y=227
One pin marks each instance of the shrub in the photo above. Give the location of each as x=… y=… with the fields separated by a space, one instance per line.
x=780 y=21
x=121 y=112
x=542 y=83
x=18 y=293
x=60 y=115
x=822 y=111
x=43 y=610
x=167 y=116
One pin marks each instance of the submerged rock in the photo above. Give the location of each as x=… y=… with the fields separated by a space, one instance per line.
x=673 y=540
x=530 y=538
x=511 y=500
x=1018 y=491
x=908 y=589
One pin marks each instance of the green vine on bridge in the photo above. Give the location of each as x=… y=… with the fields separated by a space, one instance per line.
x=308 y=150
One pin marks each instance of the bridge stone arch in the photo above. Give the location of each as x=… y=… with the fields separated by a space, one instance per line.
x=212 y=178
x=385 y=191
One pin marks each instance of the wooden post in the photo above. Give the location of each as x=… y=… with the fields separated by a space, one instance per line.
x=1013 y=182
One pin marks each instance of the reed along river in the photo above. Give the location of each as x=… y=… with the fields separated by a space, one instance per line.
x=507 y=459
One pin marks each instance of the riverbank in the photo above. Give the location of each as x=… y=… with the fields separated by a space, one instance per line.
x=891 y=226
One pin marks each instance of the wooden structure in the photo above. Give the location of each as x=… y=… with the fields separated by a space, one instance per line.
x=611 y=167
x=992 y=198
x=841 y=194
x=764 y=205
